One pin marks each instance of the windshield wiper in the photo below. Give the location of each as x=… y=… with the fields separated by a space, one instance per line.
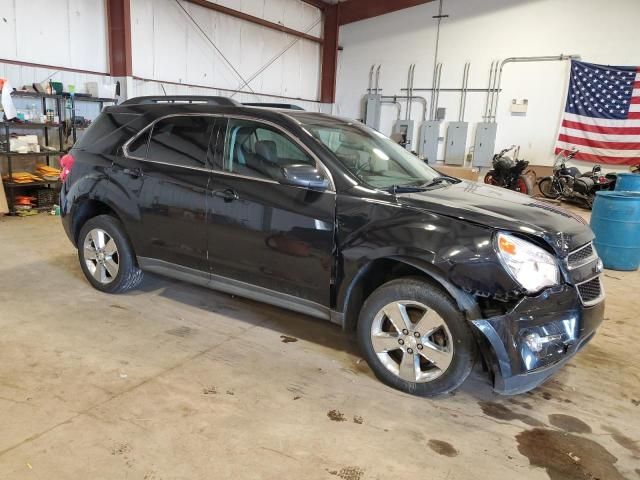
x=439 y=180
x=405 y=189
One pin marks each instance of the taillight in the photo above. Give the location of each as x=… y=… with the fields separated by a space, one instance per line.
x=66 y=163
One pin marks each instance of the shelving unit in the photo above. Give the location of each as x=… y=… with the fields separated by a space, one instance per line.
x=65 y=108
x=48 y=131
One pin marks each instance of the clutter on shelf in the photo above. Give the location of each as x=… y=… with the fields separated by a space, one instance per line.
x=39 y=123
x=24 y=144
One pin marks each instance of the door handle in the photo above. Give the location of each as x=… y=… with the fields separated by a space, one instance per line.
x=133 y=172
x=228 y=195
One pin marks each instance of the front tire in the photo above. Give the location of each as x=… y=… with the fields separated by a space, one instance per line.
x=490 y=178
x=106 y=256
x=415 y=339
x=548 y=188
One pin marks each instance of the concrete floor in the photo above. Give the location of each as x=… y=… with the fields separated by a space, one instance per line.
x=178 y=382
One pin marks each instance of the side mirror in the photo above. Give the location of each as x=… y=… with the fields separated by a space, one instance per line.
x=306 y=176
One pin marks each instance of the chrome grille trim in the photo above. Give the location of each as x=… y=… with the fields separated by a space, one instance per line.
x=581 y=256
x=590 y=299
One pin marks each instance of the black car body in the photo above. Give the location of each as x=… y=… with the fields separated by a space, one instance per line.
x=322 y=247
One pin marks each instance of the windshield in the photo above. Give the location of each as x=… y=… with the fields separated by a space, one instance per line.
x=371 y=157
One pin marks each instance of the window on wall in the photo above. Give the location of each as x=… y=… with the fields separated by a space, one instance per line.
x=181 y=140
x=258 y=150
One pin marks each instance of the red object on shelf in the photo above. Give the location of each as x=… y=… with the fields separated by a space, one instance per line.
x=23 y=200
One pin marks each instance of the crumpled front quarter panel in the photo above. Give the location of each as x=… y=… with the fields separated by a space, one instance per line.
x=461 y=251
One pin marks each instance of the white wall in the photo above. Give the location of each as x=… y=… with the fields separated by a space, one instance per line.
x=480 y=31
x=70 y=33
x=168 y=46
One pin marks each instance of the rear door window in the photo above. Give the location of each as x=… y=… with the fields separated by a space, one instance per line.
x=181 y=140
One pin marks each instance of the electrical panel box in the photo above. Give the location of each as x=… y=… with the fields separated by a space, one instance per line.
x=456 y=143
x=485 y=144
x=428 y=141
x=519 y=107
x=372 y=110
x=404 y=128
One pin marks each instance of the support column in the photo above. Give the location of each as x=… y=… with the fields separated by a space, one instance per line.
x=329 y=54
x=119 y=25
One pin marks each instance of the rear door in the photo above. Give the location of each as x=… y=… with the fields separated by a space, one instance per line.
x=261 y=232
x=165 y=172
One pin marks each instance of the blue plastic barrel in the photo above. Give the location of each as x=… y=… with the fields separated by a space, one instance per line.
x=615 y=220
x=628 y=182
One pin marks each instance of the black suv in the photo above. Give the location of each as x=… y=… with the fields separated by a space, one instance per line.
x=332 y=219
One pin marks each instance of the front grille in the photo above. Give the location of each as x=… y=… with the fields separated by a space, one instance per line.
x=590 y=291
x=580 y=256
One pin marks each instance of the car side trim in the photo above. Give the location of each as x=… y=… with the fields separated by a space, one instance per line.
x=235 y=287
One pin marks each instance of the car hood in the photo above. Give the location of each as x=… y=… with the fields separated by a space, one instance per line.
x=504 y=209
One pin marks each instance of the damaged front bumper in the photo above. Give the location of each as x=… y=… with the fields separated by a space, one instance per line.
x=535 y=338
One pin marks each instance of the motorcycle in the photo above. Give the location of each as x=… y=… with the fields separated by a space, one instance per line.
x=510 y=174
x=568 y=183
x=613 y=177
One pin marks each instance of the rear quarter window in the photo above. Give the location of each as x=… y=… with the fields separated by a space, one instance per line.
x=109 y=131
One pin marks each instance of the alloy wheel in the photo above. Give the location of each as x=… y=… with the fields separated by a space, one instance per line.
x=412 y=341
x=101 y=256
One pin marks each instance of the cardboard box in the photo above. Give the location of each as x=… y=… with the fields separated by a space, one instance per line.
x=458 y=172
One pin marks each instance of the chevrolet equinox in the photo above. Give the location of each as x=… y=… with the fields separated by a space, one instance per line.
x=330 y=218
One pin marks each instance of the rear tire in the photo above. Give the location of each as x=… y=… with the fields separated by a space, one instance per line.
x=548 y=189
x=524 y=185
x=589 y=201
x=106 y=256
x=415 y=339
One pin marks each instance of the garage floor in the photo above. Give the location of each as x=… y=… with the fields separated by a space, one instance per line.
x=178 y=382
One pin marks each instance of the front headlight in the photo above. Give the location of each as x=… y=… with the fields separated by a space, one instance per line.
x=528 y=264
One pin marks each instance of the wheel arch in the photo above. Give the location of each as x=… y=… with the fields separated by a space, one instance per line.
x=87 y=208
x=381 y=270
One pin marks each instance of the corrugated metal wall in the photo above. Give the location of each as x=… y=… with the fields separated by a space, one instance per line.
x=70 y=33
x=167 y=47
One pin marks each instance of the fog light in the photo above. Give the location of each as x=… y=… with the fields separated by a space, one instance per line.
x=534 y=342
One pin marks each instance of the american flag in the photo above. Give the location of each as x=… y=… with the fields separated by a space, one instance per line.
x=602 y=114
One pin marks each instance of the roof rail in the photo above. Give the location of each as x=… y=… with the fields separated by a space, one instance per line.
x=221 y=101
x=284 y=106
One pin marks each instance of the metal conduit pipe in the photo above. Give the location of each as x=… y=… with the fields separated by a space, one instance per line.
x=489 y=90
x=423 y=101
x=493 y=89
x=473 y=90
x=434 y=107
x=410 y=75
x=463 y=92
x=396 y=103
x=548 y=58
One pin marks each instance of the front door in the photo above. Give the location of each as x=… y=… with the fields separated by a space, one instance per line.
x=261 y=232
x=167 y=170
